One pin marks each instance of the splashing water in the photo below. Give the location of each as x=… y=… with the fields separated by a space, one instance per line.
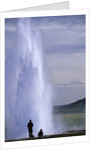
x=32 y=93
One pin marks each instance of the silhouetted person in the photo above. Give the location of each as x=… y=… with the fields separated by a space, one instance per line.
x=40 y=133
x=30 y=125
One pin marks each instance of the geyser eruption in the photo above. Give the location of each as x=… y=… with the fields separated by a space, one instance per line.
x=29 y=96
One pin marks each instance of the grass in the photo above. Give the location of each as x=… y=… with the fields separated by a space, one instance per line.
x=71 y=120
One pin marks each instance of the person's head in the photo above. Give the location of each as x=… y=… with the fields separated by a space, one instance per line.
x=30 y=121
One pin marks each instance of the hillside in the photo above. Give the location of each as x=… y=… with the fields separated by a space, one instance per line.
x=76 y=107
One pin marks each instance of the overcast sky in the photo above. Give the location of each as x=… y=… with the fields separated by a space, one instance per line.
x=63 y=43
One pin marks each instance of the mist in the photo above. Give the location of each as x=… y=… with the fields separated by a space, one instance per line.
x=29 y=95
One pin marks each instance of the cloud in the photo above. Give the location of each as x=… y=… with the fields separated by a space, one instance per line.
x=76 y=83
x=68 y=94
x=66 y=49
x=64 y=68
x=51 y=22
x=72 y=83
x=60 y=34
x=11 y=24
x=10 y=28
x=58 y=22
x=64 y=40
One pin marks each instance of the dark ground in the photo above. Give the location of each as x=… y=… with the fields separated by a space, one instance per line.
x=67 y=134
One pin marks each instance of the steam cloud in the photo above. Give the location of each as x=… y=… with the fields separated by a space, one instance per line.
x=29 y=95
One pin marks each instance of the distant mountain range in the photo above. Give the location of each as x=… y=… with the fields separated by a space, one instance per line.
x=76 y=107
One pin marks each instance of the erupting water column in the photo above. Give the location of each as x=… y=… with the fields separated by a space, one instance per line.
x=33 y=92
x=39 y=98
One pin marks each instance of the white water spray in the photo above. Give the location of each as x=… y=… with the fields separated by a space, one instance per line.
x=33 y=96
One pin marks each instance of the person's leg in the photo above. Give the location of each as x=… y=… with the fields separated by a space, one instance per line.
x=29 y=133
